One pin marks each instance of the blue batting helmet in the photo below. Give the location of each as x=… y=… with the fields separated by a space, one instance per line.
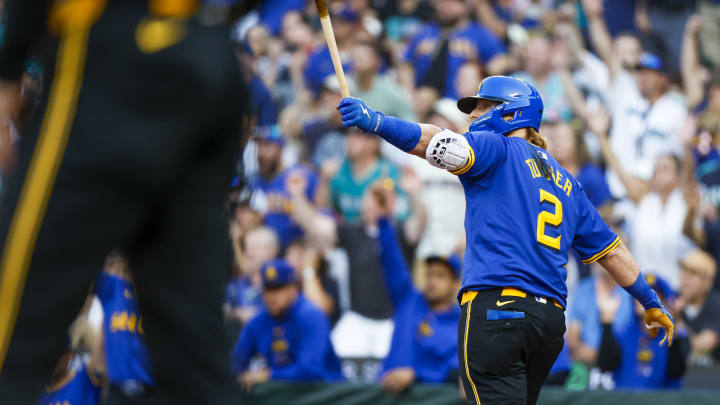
x=516 y=97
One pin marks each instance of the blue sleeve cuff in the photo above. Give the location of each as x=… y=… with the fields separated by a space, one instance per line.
x=641 y=291
x=402 y=134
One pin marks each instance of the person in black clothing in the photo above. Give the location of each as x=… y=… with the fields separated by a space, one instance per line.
x=631 y=355
x=699 y=305
x=132 y=147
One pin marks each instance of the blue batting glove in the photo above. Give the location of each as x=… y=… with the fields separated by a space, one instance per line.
x=355 y=113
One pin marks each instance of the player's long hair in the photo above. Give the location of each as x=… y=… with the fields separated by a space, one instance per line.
x=536 y=139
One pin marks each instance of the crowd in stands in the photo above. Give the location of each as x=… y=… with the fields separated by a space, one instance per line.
x=347 y=252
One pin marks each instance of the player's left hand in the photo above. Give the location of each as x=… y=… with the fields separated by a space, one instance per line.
x=660 y=318
x=355 y=113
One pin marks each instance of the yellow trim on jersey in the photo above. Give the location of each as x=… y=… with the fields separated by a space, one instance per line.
x=467 y=367
x=468 y=165
x=599 y=255
x=40 y=179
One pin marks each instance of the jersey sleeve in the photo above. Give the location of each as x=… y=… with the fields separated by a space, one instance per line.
x=487 y=152
x=593 y=237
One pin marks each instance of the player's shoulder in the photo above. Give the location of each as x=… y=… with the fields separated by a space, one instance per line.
x=260 y=321
x=485 y=136
x=307 y=309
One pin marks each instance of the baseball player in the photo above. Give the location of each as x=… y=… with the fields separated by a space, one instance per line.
x=524 y=212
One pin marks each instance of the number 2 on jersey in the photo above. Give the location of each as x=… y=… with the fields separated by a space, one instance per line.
x=553 y=219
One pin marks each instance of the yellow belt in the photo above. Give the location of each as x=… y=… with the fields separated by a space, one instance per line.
x=507 y=291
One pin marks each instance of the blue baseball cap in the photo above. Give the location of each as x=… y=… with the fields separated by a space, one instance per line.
x=453 y=261
x=270 y=133
x=277 y=273
x=651 y=61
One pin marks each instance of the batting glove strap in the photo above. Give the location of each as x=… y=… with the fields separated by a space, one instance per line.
x=402 y=134
x=641 y=291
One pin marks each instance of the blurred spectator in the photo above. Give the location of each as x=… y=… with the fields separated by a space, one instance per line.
x=439 y=191
x=710 y=11
x=271 y=12
x=73 y=382
x=468 y=76
x=316 y=284
x=290 y=334
x=567 y=145
x=270 y=195
x=79 y=376
x=539 y=71
x=404 y=18
x=347 y=29
x=243 y=301
x=585 y=78
x=619 y=15
x=659 y=210
x=698 y=306
x=323 y=136
x=498 y=15
x=584 y=318
x=636 y=360
x=362 y=167
x=702 y=225
x=365 y=330
x=424 y=343
x=646 y=115
x=666 y=19
x=434 y=56
x=379 y=91
x=694 y=74
x=128 y=363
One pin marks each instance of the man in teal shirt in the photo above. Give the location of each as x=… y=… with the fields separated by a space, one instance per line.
x=362 y=167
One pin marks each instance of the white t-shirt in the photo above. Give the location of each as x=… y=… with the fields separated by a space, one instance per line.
x=444 y=199
x=657 y=235
x=642 y=132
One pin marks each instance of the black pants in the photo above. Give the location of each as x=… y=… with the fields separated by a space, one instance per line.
x=131 y=150
x=506 y=347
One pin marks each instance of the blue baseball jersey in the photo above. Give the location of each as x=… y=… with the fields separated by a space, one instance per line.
x=471 y=43
x=79 y=386
x=520 y=225
x=644 y=362
x=270 y=196
x=127 y=357
x=423 y=339
x=295 y=346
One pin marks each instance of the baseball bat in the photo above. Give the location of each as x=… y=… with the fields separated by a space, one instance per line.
x=322 y=9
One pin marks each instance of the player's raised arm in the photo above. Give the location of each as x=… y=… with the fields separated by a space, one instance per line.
x=407 y=136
